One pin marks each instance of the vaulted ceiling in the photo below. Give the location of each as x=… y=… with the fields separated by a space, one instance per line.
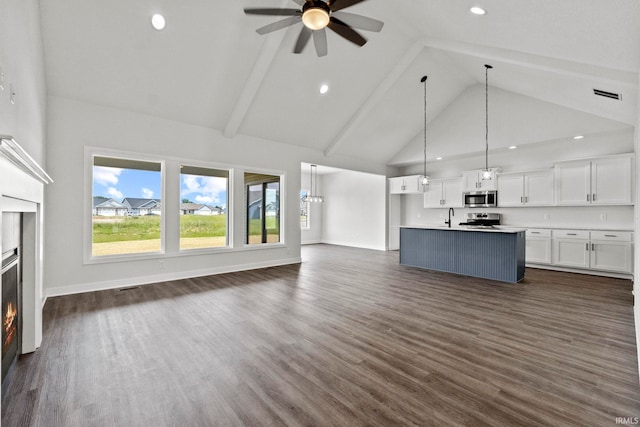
x=210 y=68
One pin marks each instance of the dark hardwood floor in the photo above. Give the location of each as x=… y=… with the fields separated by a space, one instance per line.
x=349 y=337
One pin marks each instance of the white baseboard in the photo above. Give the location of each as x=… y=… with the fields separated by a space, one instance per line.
x=146 y=280
x=353 y=245
x=628 y=276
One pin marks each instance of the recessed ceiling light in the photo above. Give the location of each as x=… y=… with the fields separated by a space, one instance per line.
x=578 y=137
x=513 y=147
x=157 y=21
x=324 y=88
x=438 y=158
x=476 y=10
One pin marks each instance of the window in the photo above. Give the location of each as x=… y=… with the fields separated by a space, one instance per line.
x=304 y=211
x=127 y=206
x=203 y=207
x=263 y=208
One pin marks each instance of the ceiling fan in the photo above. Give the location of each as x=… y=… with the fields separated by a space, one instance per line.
x=315 y=16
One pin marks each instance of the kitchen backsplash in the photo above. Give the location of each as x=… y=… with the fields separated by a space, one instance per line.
x=598 y=217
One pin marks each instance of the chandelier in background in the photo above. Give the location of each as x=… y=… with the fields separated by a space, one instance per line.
x=313 y=196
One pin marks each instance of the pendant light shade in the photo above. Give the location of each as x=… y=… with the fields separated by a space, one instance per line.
x=486 y=173
x=425 y=179
x=313 y=196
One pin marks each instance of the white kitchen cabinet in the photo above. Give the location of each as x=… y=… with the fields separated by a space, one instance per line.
x=595 y=250
x=444 y=193
x=472 y=180
x=406 y=184
x=600 y=181
x=538 y=246
x=533 y=188
x=611 y=251
x=571 y=248
x=611 y=181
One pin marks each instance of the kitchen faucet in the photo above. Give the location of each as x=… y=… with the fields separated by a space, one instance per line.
x=451 y=212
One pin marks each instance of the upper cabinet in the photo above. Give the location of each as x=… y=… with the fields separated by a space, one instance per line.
x=525 y=188
x=444 y=193
x=600 y=181
x=406 y=185
x=472 y=180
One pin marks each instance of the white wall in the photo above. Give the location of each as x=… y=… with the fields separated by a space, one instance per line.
x=313 y=234
x=354 y=210
x=22 y=62
x=74 y=125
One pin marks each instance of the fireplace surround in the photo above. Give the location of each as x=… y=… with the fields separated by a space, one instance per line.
x=22 y=183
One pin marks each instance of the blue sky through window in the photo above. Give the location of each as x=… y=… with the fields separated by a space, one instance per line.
x=118 y=183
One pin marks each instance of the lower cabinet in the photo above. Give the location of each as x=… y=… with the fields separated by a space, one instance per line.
x=583 y=249
x=538 y=246
x=612 y=251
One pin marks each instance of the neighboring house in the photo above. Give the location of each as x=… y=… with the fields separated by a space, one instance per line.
x=137 y=206
x=199 y=209
x=108 y=207
x=255 y=209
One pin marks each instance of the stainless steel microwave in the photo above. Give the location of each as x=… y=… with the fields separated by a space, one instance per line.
x=480 y=199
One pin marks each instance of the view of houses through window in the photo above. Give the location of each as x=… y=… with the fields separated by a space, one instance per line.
x=203 y=207
x=126 y=211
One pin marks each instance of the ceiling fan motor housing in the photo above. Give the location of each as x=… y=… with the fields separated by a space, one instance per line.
x=315 y=14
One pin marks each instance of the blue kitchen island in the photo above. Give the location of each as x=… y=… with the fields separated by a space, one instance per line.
x=493 y=253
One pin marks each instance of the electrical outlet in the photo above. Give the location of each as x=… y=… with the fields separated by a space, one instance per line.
x=603 y=217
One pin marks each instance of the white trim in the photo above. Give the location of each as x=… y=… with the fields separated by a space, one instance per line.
x=589 y=272
x=146 y=280
x=353 y=245
x=16 y=155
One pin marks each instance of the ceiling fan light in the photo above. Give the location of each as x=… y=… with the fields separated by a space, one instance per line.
x=315 y=18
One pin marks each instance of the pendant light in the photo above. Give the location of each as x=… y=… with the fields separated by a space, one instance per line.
x=313 y=197
x=425 y=179
x=486 y=173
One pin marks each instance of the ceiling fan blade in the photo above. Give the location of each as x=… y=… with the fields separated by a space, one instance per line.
x=299 y=2
x=272 y=11
x=336 y=5
x=320 y=42
x=278 y=25
x=346 y=31
x=303 y=39
x=360 y=22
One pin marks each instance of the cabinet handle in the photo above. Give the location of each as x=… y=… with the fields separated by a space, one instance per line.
x=610 y=235
x=593 y=197
x=521 y=199
x=586 y=246
x=526 y=199
x=535 y=232
x=572 y=234
x=593 y=246
x=588 y=197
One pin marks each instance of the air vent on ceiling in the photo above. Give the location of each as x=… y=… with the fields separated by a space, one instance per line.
x=607 y=94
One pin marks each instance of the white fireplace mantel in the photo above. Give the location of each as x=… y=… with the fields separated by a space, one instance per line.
x=22 y=182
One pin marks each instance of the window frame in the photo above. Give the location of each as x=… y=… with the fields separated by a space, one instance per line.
x=90 y=154
x=308 y=209
x=229 y=206
x=282 y=211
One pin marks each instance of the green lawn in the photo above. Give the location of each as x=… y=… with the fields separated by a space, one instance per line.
x=130 y=228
